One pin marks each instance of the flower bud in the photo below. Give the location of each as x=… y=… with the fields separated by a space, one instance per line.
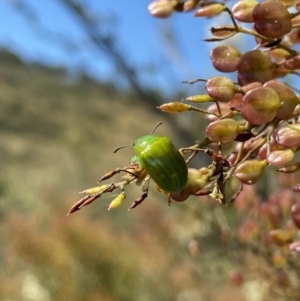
x=174 y=107
x=223 y=130
x=199 y=98
x=95 y=190
x=250 y=171
x=210 y=10
x=117 y=201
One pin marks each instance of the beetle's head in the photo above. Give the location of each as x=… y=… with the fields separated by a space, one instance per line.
x=139 y=142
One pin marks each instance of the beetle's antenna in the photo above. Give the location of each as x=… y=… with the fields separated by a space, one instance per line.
x=123 y=146
x=160 y=123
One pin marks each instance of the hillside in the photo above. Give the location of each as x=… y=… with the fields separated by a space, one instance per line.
x=59 y=134
x=57 y=138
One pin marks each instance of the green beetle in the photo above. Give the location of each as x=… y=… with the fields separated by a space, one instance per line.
x=162 y=161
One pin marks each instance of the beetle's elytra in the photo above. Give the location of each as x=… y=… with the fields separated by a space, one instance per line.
x=163 y=162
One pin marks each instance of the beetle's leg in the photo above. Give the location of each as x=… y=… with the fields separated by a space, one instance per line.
x=202 y=192
x=144 y=178
x=169 y=199
x=139 y=200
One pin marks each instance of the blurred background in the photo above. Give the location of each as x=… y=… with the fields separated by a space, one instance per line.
x=78 y=79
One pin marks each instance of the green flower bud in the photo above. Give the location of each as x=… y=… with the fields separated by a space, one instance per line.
x=95 y=190
x=199 y=98
x=117 y=201
x=174 y=107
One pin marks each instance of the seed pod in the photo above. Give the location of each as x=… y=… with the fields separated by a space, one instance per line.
x=272 y=19
x=225 y=58
x=223 y=130
x=222 y=32
x=242 y=10
x=287 y=97
x=279 y=55
x=94 y=190
x=288 y=136
x=260 y=105
x=295 y=246
x=296 y=188
x=161 y=8
x=190 y=5
x=270 y=146
x=197 y=180
x=296 y=215
x=221 y=88
x=250 y=171
x=296 y=112
x=290 y=168
x=280 y=157
x=255 y=66
x=293 y=63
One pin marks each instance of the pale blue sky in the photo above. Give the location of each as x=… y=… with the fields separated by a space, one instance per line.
x=140 y=36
